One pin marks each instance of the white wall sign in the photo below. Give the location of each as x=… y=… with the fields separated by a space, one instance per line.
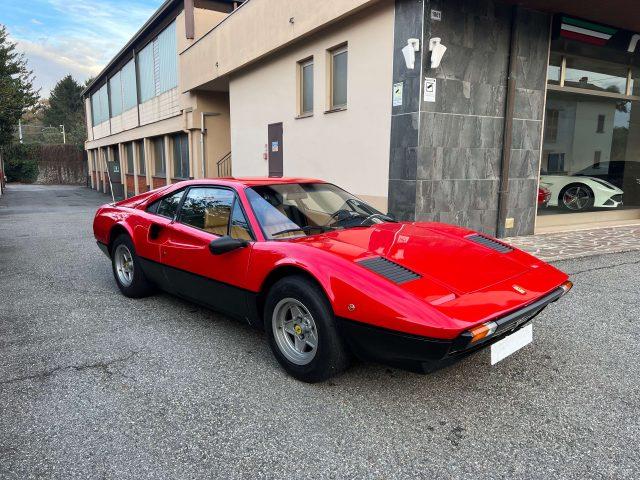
x=397 y=94
x=429 y=89
x=436 y=15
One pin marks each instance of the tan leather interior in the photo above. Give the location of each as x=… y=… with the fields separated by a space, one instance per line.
x=318 y=218
x=240 y=233
x=216 y=220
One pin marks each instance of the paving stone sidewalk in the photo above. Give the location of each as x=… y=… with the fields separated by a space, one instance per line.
x=581 y=243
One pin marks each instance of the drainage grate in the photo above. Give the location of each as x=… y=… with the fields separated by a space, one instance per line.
x=490 y=243
x=388 y=269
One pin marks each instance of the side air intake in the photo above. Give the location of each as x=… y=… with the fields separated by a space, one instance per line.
x=490 y=243
x=388 y=269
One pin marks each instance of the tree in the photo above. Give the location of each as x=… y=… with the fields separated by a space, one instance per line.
x=17 y=93
x=67 y=108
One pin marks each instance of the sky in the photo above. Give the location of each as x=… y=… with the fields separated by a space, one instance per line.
x=77 y=37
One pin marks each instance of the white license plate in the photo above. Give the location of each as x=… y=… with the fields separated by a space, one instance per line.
x=511 y=343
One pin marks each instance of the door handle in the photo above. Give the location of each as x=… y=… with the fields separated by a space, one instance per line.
x=154 y=231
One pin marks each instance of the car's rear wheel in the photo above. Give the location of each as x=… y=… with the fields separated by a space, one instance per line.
x=576 y=197
x=127 y=270
x=302 y=332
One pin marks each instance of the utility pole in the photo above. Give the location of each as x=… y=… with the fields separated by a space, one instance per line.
x=20 y=129
x=64 y=135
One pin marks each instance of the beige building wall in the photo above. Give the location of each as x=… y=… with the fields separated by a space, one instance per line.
x=350 y=147
x=256 y=29
x=217 y=139
x=102 y=130
x=125 y=121
x=162 y=106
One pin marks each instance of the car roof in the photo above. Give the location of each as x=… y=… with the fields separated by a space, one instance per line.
x=251 y=181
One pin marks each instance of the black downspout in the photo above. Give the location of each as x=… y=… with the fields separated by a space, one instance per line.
x=503 y=193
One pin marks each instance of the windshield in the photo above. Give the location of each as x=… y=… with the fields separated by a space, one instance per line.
x=298 y=209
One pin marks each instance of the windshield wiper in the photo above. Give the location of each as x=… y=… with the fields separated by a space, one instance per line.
x=309 y=228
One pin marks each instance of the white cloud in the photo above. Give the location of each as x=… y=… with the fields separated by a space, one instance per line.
x=35 y=21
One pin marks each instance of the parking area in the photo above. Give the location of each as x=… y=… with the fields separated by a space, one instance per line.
x=96 y=385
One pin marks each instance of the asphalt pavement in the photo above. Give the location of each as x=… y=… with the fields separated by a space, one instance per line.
x=96 y=385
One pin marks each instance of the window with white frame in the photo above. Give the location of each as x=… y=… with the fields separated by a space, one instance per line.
x=338 y=77
x=305 y=82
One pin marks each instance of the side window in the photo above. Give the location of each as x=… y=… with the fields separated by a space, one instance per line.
x=239 y=224
x=168 y=206
x=208 y=209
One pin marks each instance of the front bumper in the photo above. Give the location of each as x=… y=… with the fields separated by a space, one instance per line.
x=424 y=355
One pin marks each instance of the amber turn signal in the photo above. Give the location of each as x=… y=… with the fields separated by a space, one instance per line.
x=566 y=286
x=482 y=331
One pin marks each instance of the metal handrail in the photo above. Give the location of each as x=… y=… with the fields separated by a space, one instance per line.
x=224 y=166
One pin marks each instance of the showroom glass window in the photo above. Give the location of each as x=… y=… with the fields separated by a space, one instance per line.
x=591 y=138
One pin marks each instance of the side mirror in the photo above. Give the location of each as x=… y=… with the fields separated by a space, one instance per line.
x=225 y=244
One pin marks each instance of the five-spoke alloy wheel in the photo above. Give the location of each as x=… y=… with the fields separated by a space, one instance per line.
x=576 y=197
x=124 y=264
x=302 y=331
x=295 y=331
x=127 y=270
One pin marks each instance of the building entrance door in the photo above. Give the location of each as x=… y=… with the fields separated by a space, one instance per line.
x=275 y=150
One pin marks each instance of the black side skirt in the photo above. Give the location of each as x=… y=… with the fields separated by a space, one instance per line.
x=219 y=296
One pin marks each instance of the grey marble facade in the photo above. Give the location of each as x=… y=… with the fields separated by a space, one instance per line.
x=445 y=156
x=405 y=118
x=531 y=77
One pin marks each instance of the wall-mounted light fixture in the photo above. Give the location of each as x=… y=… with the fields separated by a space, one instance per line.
x=409 y=52
x=437 y=51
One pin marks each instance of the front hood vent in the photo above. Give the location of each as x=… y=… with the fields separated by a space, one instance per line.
x=388 y=269
x=490 y=243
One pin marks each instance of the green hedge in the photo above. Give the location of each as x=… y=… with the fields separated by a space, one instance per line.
x=20 y=162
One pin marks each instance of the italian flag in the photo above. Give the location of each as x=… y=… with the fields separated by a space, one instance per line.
x=585 y=31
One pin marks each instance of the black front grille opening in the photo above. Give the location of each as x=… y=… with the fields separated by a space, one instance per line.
x=390 y=270
x=615 y=198
x=490 y=243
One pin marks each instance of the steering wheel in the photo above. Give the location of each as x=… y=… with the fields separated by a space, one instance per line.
x=336 y=215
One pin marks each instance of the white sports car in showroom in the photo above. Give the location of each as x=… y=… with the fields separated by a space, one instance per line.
x=579 y=194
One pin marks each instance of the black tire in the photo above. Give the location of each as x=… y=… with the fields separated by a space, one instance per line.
x=584 y=188
x=331 y=355
x=139 y=286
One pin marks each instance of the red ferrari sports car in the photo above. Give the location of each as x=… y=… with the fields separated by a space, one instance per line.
x=327 y=275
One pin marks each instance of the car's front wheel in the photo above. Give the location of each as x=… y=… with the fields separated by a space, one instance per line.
x=302 y=332
x=127 y=270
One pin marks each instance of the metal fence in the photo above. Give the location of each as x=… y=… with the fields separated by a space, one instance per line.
x=224 y=166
